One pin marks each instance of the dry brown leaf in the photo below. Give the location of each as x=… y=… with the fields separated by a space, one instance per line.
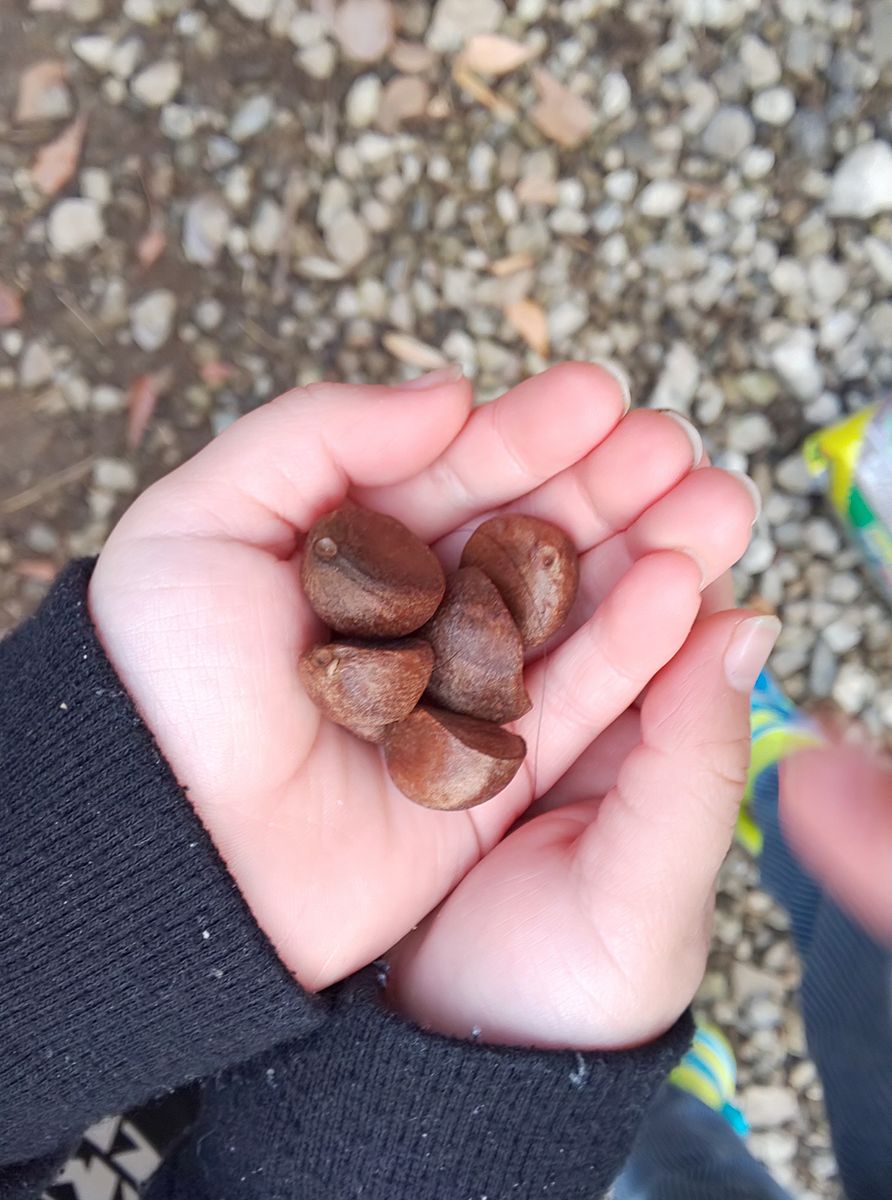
x=412 y=57
x=474 y=86
x=142 y=398
x=44 y=570
x=36 y=80
x=56 y=162
x=216 y=372
x=511 y=264
x=493 y=54
x=10 y=307
x=536 y=189
x=561 y=115
x=529 y=320
x=404 y=98
x=364 y=28
x=410 y=350
x=151 y=246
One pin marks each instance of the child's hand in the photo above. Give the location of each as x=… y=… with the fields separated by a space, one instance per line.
x=198 y=602
x=588 y=927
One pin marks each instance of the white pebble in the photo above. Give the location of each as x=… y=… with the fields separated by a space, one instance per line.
x=254 y=10
x=678 y=380
x=760 y=62
x=75 y=225
x=661 y=198
x=251 y=118
x=205 y=229
x=151 y=319
x=347 y=239
x=774 y=106
x=768 y=1107
x=729 y=133
x=114 y=475
x=862 y=184
x=795 y=359
x=854 y=687
x=95 y=49
x=363 y=100
x=158 y=83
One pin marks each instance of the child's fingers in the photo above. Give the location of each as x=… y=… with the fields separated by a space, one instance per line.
x=708 y=515
x=718 y=596
x=595 y=771
x=596 y=674
x=508 y=448
x=664 y=829
x=278 y=468
x=836 y=811
x=643 y=458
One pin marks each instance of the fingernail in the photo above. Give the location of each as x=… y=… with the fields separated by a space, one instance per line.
x=748 y=651
x=614 y=369
x=433 y=379
x=693 y=433
x=752 y=489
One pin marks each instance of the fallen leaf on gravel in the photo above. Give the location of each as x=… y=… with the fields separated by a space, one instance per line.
x=10 y=307
x=56 y=162
x=412 y=57
x=404 y=98
x=493 y=54
x=216 y=372
x=142 y=397
x=36 y=80
x=410 y=350
x=364 y=28
x=44 y=570
x=474 y=86
x=529 y=320
x=511 y=263
x=151 y=246
x=560 y=114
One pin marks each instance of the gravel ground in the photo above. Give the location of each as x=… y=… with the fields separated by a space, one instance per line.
x=202 y=204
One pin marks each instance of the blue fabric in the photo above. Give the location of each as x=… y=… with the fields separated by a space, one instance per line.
x=685 y=1151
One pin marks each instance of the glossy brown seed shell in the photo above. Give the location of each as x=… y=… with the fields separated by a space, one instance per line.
x=534 y=566
x=478 y=651
x=447 y=761
x=367 y=575
x=366 y=687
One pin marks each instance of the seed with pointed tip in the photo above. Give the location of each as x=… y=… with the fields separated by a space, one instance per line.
x=447 y=761
x=366 y=687
x=534 y=566
x=478 y=651
x=366 y=575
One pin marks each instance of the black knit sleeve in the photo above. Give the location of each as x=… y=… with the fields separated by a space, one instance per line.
x=371 y=1106
x=129 y=962
x=131 y=965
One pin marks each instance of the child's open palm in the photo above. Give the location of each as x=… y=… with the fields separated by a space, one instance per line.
x=198 y=602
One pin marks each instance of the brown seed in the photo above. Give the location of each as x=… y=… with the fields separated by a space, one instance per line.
x=365 y=688
x=444 y=760
x=367 y=575
x=478 y=651
x=535 y=568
